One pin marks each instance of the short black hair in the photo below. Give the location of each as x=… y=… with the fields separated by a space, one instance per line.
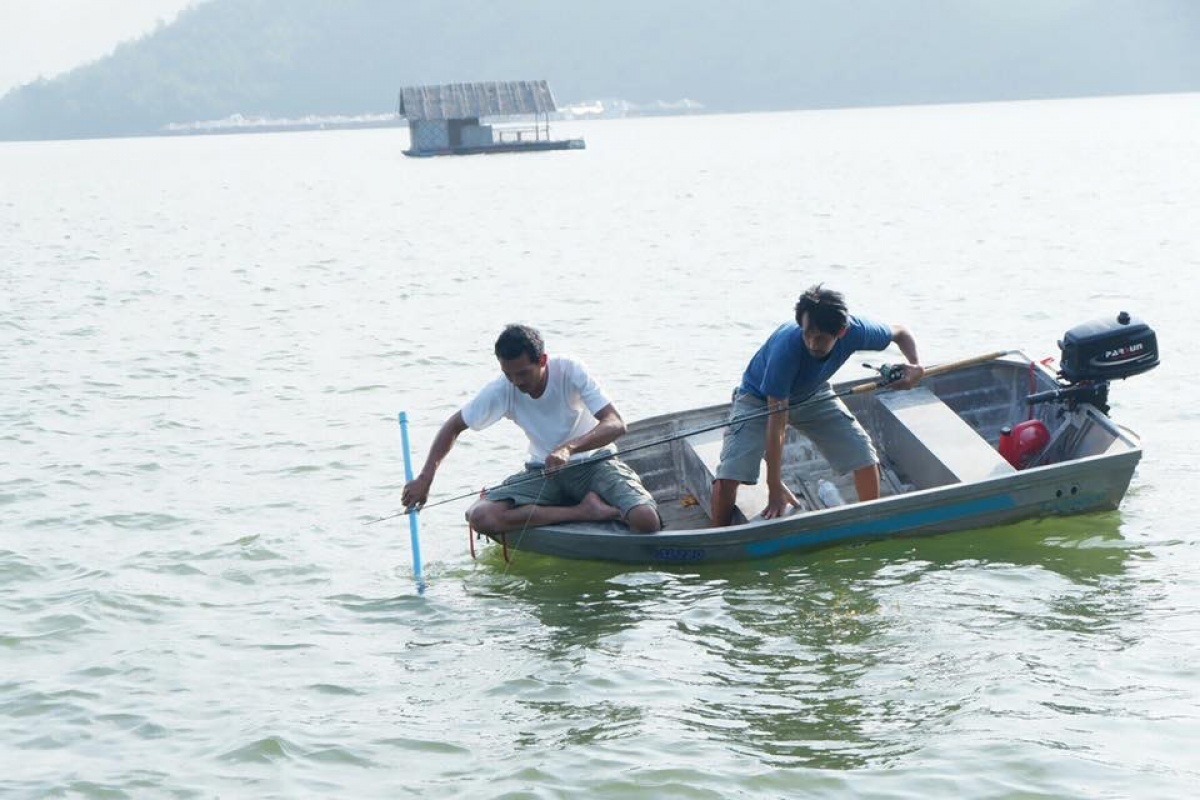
x=518 y=340
x=826 y=309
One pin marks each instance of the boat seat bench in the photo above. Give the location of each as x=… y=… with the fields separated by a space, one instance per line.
x=930 y=444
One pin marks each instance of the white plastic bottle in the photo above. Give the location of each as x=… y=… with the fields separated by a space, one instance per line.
x=829 y=494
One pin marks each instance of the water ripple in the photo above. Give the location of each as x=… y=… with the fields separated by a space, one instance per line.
x=200 y=417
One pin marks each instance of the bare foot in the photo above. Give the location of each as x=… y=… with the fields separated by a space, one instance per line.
x=594 y=508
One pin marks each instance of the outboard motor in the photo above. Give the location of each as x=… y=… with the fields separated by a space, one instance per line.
x=1097 y=352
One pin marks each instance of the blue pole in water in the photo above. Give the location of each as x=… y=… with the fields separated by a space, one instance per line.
x=414 y=523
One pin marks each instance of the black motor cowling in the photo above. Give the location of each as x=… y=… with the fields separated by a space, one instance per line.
x=1097 y=352
x=1107 y=349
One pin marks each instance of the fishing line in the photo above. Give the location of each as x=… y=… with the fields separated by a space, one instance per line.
x=602 y=457
x=887 y=377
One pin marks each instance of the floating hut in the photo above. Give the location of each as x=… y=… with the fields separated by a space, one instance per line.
x=445 y=120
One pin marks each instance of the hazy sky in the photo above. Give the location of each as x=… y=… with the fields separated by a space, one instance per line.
x=46 y=37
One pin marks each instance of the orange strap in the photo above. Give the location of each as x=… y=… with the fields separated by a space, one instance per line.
x=472 y=535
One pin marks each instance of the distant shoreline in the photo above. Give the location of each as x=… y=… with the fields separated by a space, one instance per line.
x=612 y=109
x=240 y=124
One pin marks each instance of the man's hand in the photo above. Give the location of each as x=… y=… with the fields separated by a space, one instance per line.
x=416 y=492
x=912 y=376
x=778 y=499
x=557 y=459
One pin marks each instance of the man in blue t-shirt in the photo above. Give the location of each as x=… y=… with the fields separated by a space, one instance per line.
x=793 y=368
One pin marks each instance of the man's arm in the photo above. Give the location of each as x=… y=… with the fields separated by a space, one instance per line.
x=609 y=427
x=778 y=495
x=416 y=491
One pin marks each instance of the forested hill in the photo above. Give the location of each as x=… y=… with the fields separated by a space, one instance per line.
x=291 y=58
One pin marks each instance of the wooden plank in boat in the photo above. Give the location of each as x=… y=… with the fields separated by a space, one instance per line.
x=932 y=445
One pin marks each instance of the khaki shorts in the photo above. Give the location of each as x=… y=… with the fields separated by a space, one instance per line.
x=823 y=418
x=612 y=479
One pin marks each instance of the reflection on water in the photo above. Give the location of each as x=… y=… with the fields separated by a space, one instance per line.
x=1082 y=548
x=821 y=661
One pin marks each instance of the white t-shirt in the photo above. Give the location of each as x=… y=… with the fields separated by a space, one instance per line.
x=565 y=410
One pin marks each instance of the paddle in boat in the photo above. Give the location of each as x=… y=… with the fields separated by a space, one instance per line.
x=985 y=441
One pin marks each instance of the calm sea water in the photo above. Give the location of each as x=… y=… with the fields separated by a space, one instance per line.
x=205 y=342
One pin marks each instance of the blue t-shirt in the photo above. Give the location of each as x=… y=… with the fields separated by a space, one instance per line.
x=783 y=367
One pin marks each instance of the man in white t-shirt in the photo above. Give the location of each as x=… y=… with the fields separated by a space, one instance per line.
x=572 y=474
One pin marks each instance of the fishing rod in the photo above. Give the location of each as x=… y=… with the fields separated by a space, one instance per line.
x=888 y=374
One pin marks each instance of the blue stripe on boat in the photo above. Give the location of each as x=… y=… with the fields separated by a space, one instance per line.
x=884 y=526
